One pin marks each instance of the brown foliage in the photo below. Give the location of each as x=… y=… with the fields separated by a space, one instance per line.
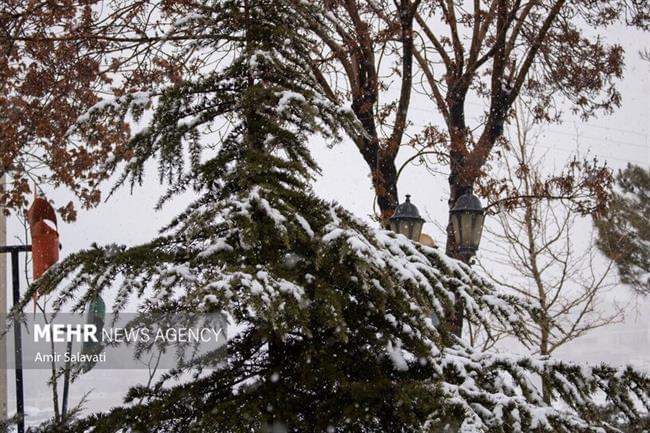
x=547 y=53
x=59 y=59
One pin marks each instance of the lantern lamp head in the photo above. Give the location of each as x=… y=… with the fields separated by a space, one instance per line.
x=407 y=220
x=467 y=217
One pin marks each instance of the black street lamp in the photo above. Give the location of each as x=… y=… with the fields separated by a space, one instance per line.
x=407 y=220
x=467 y=218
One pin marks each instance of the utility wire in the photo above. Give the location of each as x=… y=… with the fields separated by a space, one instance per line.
x=599 y=141
x=585 y=125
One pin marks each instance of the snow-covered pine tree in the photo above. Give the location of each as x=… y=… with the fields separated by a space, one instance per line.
x=335 y=317
x=624 y=231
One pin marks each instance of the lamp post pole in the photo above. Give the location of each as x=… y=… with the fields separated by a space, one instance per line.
x=14 y=250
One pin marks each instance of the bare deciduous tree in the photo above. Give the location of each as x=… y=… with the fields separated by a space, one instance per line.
x=369 y=44
x=538 y=243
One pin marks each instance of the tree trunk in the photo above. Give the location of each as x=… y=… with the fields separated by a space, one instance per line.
x=384 y=177
x=386 y=186
x=459 y=184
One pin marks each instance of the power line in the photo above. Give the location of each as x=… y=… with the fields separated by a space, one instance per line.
x=629 y=131
x=595 y=154
x=600 y=154
x=585 y=125
x=599 y=139
x=594 y=141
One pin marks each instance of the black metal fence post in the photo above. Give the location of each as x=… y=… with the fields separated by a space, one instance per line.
x=18 y=350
